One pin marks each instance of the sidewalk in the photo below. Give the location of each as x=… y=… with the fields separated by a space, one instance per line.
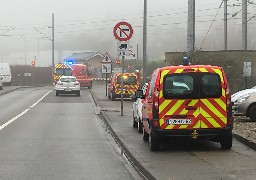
x=7 y=89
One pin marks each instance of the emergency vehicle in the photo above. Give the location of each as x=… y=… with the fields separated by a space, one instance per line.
x=82 y=74
x=61 y=70
x=187 y=101
x=130 y=85
x=80 y=71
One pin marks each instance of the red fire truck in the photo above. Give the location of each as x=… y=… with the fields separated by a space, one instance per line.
x=83 y=75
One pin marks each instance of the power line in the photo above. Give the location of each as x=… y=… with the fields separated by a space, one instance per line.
x=211 y=25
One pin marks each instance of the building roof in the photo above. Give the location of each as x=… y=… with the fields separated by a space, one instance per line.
x=83 y=56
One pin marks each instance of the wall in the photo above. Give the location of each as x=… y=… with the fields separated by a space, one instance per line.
x=231 y=61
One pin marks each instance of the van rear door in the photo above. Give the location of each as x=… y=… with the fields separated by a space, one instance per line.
x=213 y=106
x=192 y=98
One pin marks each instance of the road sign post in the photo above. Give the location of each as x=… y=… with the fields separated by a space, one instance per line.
x=106 y=68
x=123 y=32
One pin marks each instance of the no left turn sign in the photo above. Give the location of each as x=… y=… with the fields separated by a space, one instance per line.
x=123 y=31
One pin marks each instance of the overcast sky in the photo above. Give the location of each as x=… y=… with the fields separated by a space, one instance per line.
x=82 y=25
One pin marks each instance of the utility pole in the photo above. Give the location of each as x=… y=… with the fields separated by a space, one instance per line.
x=191 y=26
x=225 y=24
x=25 y=52
x=52 y=45
x=145 y=43
x=244 y=25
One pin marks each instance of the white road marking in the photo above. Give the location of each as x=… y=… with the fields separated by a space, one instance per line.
x=24 y=112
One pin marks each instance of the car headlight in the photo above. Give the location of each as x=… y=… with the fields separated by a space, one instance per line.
x=243 y=98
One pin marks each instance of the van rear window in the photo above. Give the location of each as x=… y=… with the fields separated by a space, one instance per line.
x=192 y=86
x=126 y=79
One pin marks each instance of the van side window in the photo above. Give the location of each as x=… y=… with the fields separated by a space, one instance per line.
x=211 y=86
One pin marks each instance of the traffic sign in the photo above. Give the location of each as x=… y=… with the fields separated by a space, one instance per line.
x=123 y=31
x=106 y=68
x=106 y=59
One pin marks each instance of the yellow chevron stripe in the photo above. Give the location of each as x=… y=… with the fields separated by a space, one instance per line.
x=209 y=119
x=161 y=121
x=221 y=103
x=218 y=71
x=203 y=70
x=212 y=108
x=163 y=105
x=183 y=126
x=170 y=127
x=175 y=107
x=179 y=70
x=163 y=74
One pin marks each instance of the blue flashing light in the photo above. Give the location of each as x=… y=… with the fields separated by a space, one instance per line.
x=185 y=61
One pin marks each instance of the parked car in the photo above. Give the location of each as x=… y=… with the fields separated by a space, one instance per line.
x=1 y=83
x=246 y=106
x=67 y=85
x=237 y=95
x=137 y=110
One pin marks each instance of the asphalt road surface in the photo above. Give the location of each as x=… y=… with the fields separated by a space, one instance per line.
x=178 y=159
x=47 y=137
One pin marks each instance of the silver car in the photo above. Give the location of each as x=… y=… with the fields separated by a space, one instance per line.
x=67 y=85
x=246 y=106
x=1 y=83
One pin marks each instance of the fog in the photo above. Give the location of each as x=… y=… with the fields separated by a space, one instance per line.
x=83 y=25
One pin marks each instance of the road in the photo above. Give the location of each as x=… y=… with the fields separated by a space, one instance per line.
x=47 y=137
x=178 y=159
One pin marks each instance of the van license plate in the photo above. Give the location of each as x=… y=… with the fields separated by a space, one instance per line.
x=178 y=121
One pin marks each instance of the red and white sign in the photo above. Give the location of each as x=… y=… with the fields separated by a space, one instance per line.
x=106 y=59
x=123 y=31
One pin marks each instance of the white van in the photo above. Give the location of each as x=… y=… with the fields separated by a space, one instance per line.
x=5 y=73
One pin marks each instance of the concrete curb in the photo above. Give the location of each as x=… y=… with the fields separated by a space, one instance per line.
x=134 y=163
x=8 y=91
x=251 y=143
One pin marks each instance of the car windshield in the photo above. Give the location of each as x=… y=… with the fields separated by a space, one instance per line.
x=68 y=79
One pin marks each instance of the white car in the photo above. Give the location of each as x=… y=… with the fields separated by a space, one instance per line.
x=237 y=95
x=67 y=85
x=137 y=110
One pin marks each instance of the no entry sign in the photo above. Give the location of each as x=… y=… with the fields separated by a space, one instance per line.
x=123 y=31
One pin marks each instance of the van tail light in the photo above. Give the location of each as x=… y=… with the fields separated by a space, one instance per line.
x=156 y=98
x=156 y=123
x=230 y=120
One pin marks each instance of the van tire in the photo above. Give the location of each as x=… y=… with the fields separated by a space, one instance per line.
x=140 y=126
x=252 y=113
x=135 y=124
x=154 y=142
x=145 y=136
x=113 y=97
x=226 y=141
x=109 y=97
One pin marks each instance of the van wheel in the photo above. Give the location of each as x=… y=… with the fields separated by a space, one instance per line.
x=145 y=136
x=154 y=142
x=226 y=141
x=57 y=93
x=252 y=113
x=135 y=124
x=113 y=97
x=139 y=125
x=109 y=97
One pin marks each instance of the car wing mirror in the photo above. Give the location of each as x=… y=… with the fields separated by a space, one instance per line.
x=139 y=94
